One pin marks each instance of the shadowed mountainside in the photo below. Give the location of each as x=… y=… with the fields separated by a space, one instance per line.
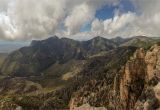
x=40 y=55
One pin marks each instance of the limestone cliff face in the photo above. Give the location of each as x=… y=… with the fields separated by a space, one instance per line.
x=139 y=86
x=149 y=99
x=152 y=60
x=141 y=77
x=136 y=85
x=133 y=78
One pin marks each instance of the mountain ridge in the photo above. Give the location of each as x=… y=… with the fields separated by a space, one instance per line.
x=40 y=55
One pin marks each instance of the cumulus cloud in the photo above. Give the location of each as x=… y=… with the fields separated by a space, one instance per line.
x=83 y=13
x=37 y=19
x=149 y=16
x=144 y=21
x=97 y=25
x=78 y=17
x=119 y=25
x=4 y=5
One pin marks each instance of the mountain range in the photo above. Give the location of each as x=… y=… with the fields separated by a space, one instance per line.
x=40 y=55
x=61 y=73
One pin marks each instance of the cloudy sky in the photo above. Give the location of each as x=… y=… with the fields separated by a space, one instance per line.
x=80 y=19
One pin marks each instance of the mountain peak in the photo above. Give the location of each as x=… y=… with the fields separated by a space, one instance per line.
x=118 y=37
x=98 y=38
x=118 y=40
x=55 y=37
x=35 y=42
x=51 y=38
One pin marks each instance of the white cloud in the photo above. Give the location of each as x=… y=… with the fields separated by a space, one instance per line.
x=36 y=19
x=120 y=25
x=4 y=5
x=83 y=13
x=144 y=21
x=25 y=19
x=80 y=15
x=118 y=22
x=39 y=20
x=148 y=16
x=97 y=25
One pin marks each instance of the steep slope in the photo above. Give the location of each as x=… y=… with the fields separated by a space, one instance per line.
x=40 y=55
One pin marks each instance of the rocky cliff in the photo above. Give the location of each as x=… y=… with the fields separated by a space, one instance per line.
x=136 y=85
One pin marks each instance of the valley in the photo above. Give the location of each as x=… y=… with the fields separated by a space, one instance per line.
x=60 y=73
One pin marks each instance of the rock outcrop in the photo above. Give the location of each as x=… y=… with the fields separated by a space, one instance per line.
x=152 y=60
x=136 y=85
x=149 y=99
x=133 y=79
x=139 y=85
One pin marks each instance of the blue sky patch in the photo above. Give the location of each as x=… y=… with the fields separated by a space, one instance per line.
x=107 y=12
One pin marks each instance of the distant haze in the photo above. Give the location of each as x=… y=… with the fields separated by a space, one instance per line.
x=9 y=46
